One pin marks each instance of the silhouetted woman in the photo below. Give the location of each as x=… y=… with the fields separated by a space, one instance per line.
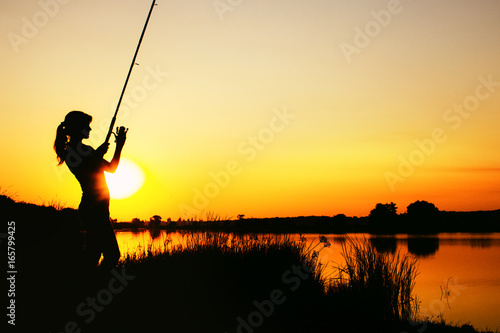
x=88 y=166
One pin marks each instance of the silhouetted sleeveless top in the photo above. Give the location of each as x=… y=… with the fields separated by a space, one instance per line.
x=88 y=169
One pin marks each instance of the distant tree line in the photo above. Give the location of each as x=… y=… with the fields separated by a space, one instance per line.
x=419 y=217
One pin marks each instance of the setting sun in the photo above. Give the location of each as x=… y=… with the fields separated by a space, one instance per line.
x=126 y=181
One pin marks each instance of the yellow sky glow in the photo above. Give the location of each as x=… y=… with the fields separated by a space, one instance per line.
x=272 y=108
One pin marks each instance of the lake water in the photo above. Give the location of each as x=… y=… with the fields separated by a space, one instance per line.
x=459 y=274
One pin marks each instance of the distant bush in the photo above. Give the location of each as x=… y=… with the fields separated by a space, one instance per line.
x=155 y=221
x=423 y=216
x=137 y=223
x=422 y=210
x=383 y=215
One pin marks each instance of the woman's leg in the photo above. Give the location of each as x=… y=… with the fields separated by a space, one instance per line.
x=92 y=249
x=92 y=253
x=101 y=237
x=109 y=246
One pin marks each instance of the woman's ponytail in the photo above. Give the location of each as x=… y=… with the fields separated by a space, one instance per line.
x=60 y=143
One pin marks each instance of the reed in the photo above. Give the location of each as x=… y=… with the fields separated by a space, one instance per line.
x=382 y=283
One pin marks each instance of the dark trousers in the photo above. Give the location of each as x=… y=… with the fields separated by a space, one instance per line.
x=100 y=236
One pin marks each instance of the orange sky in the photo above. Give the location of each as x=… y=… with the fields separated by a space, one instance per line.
x=262 y=108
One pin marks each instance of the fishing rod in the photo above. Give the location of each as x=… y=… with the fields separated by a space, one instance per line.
x=110 y=131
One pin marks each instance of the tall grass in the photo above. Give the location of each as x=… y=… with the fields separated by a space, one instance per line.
x=55 y=203
x=208 y=217
x=379 y=282
x=370 y=284
x=215 y=278
x=220 y=243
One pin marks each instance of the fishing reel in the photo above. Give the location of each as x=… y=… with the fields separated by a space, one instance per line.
x=120 y=130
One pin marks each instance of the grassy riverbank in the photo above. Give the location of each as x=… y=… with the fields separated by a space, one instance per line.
x=216 y=282
x=226 y=283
